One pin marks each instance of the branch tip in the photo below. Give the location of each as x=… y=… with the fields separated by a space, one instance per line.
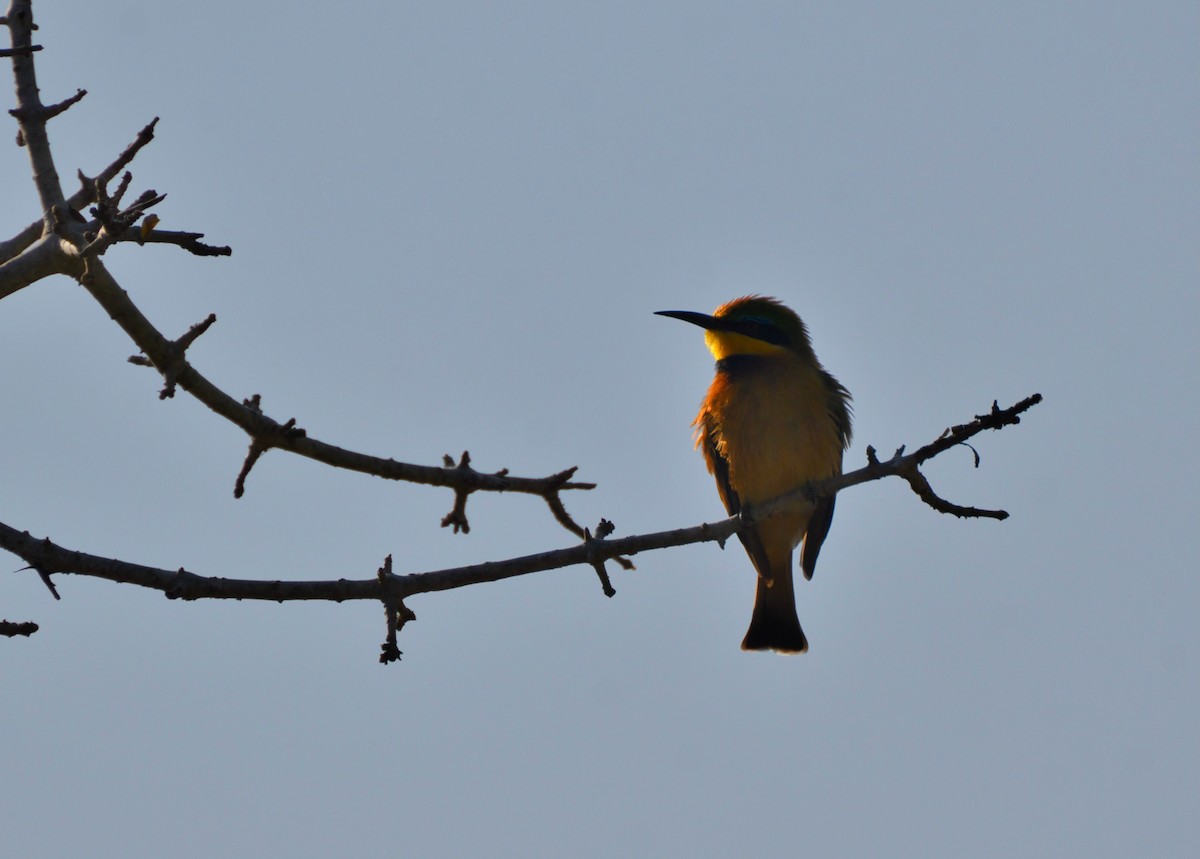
x=55 y=109
x=10 y=628
x=256 y=450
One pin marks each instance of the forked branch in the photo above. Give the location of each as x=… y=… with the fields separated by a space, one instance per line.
x=66 y=242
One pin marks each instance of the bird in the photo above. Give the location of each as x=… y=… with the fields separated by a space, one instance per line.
x=773 y=419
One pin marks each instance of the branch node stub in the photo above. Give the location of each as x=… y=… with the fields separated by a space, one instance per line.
x=190 y=336
x=257 y=449
x=290 y=432
x=457 y=517
x=596 y=558
x=396 y=613
x=178 y=587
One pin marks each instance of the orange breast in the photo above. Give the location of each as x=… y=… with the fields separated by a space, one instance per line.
x=772 y=427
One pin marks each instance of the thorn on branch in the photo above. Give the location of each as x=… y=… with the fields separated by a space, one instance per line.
x=44 y=574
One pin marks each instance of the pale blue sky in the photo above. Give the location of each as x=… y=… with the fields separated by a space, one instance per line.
x=451 y=225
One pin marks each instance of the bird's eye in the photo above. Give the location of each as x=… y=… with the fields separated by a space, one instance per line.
x=761 y=329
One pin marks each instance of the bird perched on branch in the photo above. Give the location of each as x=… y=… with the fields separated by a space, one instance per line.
x=773 y=419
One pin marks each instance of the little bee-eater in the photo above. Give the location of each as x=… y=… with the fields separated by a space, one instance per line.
x=773 y=419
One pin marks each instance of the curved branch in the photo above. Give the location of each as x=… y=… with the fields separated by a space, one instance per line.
x=267 y=433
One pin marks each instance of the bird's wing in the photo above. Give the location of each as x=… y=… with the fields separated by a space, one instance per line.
x=838 y=404
x=719 y=466
x=818 y=529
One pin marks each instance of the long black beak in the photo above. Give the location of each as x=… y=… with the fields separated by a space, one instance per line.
x=709 y=323
x=754 y=328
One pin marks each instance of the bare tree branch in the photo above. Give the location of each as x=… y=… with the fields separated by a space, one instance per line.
x=172 y=363
x=65 y=242
x=71 y=245
x=84 y=196
x=30 y=113
x=190 y=242
x=391 y=589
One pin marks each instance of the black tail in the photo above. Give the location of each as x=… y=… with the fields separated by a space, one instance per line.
x=774 y=624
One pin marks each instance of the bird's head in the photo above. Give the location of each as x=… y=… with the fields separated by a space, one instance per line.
x=751 y=325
